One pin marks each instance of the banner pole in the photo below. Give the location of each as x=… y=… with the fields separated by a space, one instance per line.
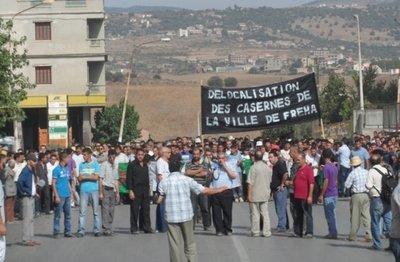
x=322 y=128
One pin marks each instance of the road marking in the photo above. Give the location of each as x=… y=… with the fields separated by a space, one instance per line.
x=241 y=251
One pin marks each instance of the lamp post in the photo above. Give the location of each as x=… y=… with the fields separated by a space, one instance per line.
x=17 y=125
x=360 y=74
x=121 y=129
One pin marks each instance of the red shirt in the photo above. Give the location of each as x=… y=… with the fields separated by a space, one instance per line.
x=303 y=179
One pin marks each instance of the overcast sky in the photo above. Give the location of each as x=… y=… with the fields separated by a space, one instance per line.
x=204 y=4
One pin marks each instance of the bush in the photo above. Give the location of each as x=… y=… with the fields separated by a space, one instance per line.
x=230 y=82
x=215 y=81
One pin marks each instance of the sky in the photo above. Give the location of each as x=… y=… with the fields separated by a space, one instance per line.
x=206 y=4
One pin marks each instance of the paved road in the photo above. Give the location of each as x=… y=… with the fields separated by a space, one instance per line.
x=154 y=247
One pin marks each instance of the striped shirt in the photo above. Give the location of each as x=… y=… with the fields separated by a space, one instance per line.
x=357 y=179
x=176 y=190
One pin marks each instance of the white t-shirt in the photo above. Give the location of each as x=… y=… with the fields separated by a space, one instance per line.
x=50 y=169
x=78 y=160
x=18 y=169
x=162 y=168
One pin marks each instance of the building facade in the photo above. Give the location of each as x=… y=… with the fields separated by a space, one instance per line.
x=66 y=52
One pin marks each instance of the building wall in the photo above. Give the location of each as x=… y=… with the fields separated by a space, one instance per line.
x=75 y=53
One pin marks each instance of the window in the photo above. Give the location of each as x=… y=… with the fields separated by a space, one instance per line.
x=43 y=75
x=43 y=31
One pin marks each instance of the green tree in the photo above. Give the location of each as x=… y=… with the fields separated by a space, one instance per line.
x=13 y=84
x=108 y=122
x=215 y=81
x=335 y=100
x=254 y=70
x=230 y=82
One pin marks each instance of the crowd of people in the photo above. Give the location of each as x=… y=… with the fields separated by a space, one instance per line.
x=198 y=180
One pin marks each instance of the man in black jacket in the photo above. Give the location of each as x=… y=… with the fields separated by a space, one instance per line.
x=138 y=184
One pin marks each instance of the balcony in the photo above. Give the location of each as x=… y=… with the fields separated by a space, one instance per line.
x=95 y=42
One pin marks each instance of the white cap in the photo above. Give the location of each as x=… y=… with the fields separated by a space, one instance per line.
x=197 y=140
x=259 y=143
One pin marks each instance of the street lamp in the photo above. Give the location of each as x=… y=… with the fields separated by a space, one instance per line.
x=17 y=125
x=121 y=129
x=360 y=73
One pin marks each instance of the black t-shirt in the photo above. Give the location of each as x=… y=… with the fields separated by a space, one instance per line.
x=278 y=170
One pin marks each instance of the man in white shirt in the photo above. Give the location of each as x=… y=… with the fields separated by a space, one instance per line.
x=162 y=173
x=379 y=209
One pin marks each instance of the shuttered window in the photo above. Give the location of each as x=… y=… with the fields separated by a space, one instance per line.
x=43 y=75
x=43 y=31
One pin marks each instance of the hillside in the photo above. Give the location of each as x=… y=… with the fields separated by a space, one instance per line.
x=137 y=9
x=346 y=2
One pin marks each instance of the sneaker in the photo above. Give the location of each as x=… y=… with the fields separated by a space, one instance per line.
x=351 y=239
x=267 y=235
x=97 y=234
x=375 y=248
x=79 y=235
x=254 y=234
x=330 y=236
x=28 y=243
x=295 y=235
x=236 y=200
x=219 y=234
x=68 y=235
x=228 y=233
x=206 y=228
x=108 y=233
x=241 y=199
x=56 y=236
x=308 y=236
x=35 y=242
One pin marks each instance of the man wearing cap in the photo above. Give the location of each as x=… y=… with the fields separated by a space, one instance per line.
x=359 y=202
x=62 y=196
x=379 y=209
x=27 y=191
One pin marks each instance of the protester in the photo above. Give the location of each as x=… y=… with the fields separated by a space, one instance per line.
x=111 y=192
x=199 y=171
x=395 y=230
x=3 y=229
x=259 y=181
x=279 y=189
x=91 y=189
x=162 y=172
x=27 y=191
x=359 y=201
x=138 y=184
x=222 y=202
x=176 y=189
x=10 y=191
x=62 y=196
x=329 y=192
x=303 y=185
x=379 y=209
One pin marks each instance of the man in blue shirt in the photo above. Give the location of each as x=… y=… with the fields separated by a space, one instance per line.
x=360 y=151
x=91 y=188
x=62 y=192
x=222 y=203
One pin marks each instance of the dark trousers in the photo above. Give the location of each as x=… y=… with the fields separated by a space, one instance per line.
x=343 y=174
x=202 y=202
x=222 y=211
x=302 y=209
x=292 y=211
x=45 y=199
x=141 y=203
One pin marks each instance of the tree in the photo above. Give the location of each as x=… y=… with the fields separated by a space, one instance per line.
x=253 y=70
x=13 y=84
x=335 y=100
x=230 y=82
x=108 y=122
x=282 y=132
x=215 y=81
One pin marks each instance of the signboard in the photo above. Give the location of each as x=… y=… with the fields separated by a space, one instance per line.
x=58 y=119
x=257 y=108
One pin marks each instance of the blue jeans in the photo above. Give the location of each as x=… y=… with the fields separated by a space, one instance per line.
x=395 y=246
x=280 y=199
x=94 y=198
x=343 y=174
x=65 y=206
x=330 y=214
x=378 y=210
x=161 y=223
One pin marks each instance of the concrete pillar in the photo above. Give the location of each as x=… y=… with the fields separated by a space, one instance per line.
x=86 y=127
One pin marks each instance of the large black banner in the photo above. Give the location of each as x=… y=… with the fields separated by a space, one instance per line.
x=256 y=108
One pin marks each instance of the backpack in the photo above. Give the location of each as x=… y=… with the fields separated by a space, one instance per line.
x=389 y=183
